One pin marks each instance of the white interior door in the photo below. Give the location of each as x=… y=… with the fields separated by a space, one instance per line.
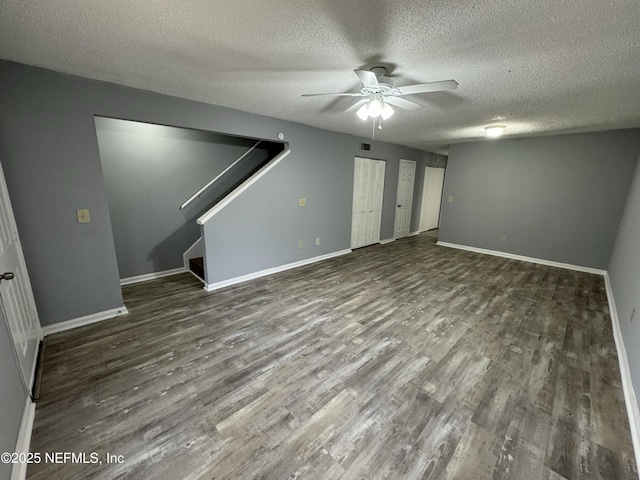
x=368 y=192
x=404 y=201
x=16 y=296
x=431 y=198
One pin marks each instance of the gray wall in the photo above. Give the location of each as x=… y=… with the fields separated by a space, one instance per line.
x=149 y=171
x=323 y=175
x=557 y=198
x=624 y=273
x=49 y=152
x=12 y=397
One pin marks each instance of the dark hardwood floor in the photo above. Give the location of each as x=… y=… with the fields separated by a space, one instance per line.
x=398 y=361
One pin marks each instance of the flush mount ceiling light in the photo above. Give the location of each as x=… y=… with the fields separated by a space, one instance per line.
x=495 y=130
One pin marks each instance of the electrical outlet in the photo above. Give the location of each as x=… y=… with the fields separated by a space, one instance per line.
x=83 y=215
x=318 y=241
x=450 y=199
x=300 y=244
x=633 y=314
x=302 y=202
x=503 y=238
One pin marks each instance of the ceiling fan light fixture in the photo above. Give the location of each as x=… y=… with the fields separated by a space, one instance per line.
x=375 y=108
x=387 y=111
x=363 y=111
x=495 y=130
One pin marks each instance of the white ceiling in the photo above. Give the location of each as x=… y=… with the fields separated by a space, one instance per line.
x=537 y=66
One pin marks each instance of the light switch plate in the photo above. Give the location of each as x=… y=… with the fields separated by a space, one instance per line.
x=83 y=215
x=302 y=202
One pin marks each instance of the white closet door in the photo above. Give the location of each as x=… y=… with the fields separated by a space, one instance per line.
x=357 y=211
x=431 y=198
x=368 y=190
x=378 y=196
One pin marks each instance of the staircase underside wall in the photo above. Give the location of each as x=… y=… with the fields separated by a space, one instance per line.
x=149 y=171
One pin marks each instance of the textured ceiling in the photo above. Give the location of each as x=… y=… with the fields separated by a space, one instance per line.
x=544 y=66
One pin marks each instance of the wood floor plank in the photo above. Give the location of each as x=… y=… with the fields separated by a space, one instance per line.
x=398 y=361
x=608 y=419
x=474 y=456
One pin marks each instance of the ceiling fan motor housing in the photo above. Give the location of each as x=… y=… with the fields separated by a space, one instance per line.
x=385 y=86
x=385 y=82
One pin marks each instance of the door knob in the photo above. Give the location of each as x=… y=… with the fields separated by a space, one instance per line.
x=7 y=276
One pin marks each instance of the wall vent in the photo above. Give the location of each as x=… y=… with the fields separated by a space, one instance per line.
x=365 y=146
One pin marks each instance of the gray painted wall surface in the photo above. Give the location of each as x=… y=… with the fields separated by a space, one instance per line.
x=557 y=198
x=50 y=155
x=149 y=171
x=624 y=273
x=319 y=169
x=12 y=397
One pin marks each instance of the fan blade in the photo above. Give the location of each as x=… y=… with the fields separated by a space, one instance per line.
x=401 y=103
x=368 y=78
x=356 y=106
x=354 y=94
x=428 y=87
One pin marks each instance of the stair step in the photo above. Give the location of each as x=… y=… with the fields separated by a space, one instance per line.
x=196 y=265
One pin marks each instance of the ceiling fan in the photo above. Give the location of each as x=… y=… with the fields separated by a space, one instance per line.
x=380 y=94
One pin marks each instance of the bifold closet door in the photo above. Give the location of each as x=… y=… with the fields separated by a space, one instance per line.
x=368 y=191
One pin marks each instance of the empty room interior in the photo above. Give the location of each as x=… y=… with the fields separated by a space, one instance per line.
x=319 y=240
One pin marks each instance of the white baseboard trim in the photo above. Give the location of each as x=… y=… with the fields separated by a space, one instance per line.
x=82 y=321
x=389 y=240
x=270 y=271
x=151 y=276
x=522 y=258
x=625 y=372
x=19 y=471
